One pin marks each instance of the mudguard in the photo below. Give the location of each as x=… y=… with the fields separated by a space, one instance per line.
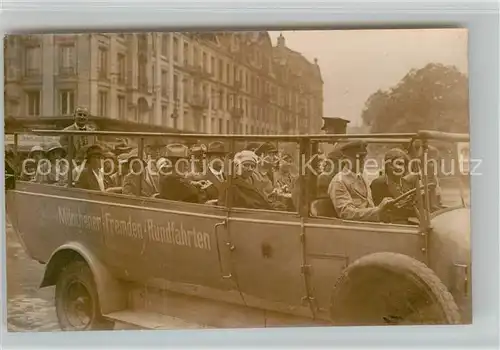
x=112 y=295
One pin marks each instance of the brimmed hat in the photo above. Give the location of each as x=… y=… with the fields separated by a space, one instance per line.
x=95 y=150
x=266 y=147
x=245 y=156
x=335 y=154
x=353 y=148
x=216 y=147
x=35 y=149
x=198 y=150
x=134 y=154
x=176 y=150
x=252 y=146
x=396 y=153
x=53 y=146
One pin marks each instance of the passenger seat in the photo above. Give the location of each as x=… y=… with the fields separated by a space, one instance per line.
x=323 y=207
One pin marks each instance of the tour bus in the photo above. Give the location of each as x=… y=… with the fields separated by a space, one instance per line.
x=160 y=264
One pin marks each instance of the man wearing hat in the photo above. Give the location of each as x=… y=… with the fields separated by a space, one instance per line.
x=349 y=191
x=139 y=181
x=80 y=142
x=53 y=169
x=92 y=176
x=264 y=176
x=173 y=183
x=331 y=166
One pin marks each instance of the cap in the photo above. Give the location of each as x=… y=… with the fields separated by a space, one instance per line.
x=55 y=146
x=216 y=147
x=353 y=148
x=266 y=147
x=176 y=150
x=35 y=149
x=95 y=150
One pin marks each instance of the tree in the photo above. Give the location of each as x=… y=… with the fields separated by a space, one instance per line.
x=434 y=97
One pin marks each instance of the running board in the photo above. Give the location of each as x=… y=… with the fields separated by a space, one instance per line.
x=159 y=309
x=143 y=319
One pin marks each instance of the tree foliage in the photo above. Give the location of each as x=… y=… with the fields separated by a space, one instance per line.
x=434 y=97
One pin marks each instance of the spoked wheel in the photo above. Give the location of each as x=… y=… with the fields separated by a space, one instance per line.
x=391 y=289
x=77 y=303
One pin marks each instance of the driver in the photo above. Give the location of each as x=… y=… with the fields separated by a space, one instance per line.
x=349 y=191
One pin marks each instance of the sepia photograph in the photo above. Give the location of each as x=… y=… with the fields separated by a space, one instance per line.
x=237 y=179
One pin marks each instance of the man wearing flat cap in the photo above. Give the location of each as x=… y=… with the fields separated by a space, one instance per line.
x=349 y=191
x=173 y=183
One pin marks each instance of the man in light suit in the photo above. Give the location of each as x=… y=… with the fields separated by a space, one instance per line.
x=349 y=190
x=80 y=143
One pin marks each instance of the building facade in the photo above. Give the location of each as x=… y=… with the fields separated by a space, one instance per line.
x=225 y=82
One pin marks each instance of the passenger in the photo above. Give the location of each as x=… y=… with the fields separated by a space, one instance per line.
x=197 y=156
x=80 y=142
x=285 y=176
x=54 y=169
x=138 y=182
x=244 y=193
x=330 y=169
x=110 y=168
x=417 y=172
x=173 y=183
x=392 y=183
x=389 y=184
x=92 y=176
x=122 y=170
x=263 y=175
x=36 y=154
x=122 y=147
x=349 y=191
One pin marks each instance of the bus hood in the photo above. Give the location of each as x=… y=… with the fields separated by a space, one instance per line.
x=452 y=229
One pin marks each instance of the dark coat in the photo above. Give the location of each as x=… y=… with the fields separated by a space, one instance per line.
x=176 y=188
x=88 y=181
x=245 y=195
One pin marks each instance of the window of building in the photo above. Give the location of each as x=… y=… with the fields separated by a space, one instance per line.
x=67 y=59
x=186 y=53
x=220 y=71
x=33 y=61
x=213 y=67
x=164 y=45
x=102 y=63
x=142 y=76
x=221 y=99
x=196 y=59
x=33 y=102
x=122 y=107
x=164 y=115
x=205 y=62
x=186 y=82
x=228 y=127
x=122 y=68
x=176 y=86
x=102 y=103
x=164 y=83
x=228 y=73
x=66 y=102
x=176 y=49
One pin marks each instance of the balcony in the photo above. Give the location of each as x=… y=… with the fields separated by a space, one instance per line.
x=66 y=72
x=236 y=112
x=32 y=75
x=198 y=102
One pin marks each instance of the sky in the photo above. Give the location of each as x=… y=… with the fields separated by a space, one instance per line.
x=356 y=63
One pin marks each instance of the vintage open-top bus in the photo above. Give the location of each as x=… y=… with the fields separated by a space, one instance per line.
x=156 y=263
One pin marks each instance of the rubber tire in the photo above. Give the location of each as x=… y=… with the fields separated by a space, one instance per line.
x=79 y=270
x=406 y=269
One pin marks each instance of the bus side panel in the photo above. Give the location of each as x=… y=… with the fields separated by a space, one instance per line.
x=332 y=245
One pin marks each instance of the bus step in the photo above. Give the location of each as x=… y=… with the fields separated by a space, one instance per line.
x=143 y=319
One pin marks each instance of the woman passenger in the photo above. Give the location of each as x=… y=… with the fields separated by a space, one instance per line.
x=54 y=169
